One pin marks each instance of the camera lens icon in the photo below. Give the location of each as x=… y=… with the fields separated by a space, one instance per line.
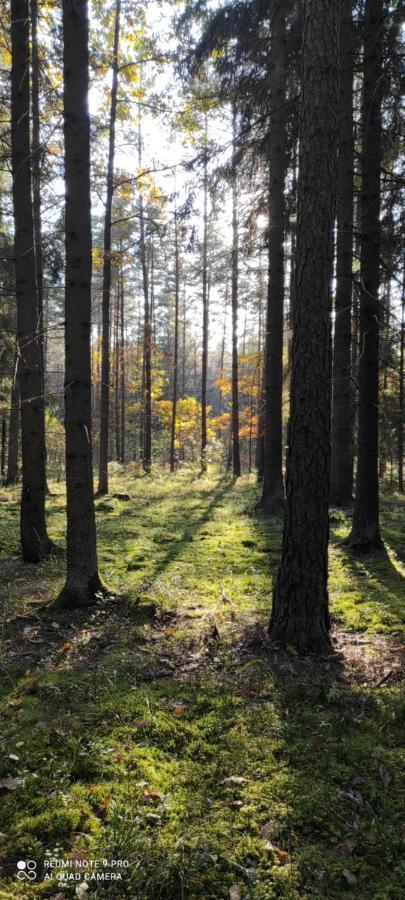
x=27 y=869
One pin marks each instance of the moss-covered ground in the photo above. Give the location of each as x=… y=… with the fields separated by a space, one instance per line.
x=161 y=729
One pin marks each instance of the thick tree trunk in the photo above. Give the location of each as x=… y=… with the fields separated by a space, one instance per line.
x=342 y=415
x=105 y=341
x=205 y=304
x=34 y=539
x=365 y=533
x=82 y=582
x=13 y=428
x=273 y=488
x=300 y=614
x=176 y=344
x=236 y=468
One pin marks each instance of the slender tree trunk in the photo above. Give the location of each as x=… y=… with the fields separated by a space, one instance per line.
x=342 y=409
x=82 y=582
x=116 y=358
x=183 y=350
x=273 y=489
x=147 y=331
x=205 y=303
x=365 y=533
x=176 y=343
x=236 y=468
x=300 y=614
x=122 y=369
x=222 y=356
x=34 y=539
x=36 y=180
x=13 y=427
x=3 y=446
x=401 y=397
x=260 y=393
x=105 y=341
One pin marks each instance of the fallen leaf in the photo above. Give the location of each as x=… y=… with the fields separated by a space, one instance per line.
x=234 y=893
x=13 y=756
x=138 y=723
x=179 y=710
x=151 y=797
x=282 y=855
x=169 y=632
x=66 y=646
x=347 y=847
x=267 y=830
x=350 y=877
x=32 y=687
x=234 y=779
x=9 y=783
x=292 y=649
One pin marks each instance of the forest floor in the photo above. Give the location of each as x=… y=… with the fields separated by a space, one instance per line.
x=160 y=728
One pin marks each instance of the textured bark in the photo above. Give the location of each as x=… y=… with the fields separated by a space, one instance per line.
x=365 y=533
x=401 y=398
x=204 y=360
x=116 y=374
x=176 y=343
x=13 y=428
x=105 y=340
x=122 y=368
x=236 y=469
x=273 y=488
x=82 y=581
x=36 y=180
x=300 y=604
x=34 y=539
x=342 y=409
x=3 y=446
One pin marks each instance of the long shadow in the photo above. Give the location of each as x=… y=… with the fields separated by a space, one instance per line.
x=377 y=574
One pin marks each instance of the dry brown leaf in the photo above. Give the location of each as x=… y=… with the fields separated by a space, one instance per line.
x=138 y=723
x=292 y=649
x=179 y=710
x=32 y=687
x=267 y=830
x=9 y=783
x=66 y=646
x=350 y=877
x=282 y=855
x=169 y=632
x=234 y=893
x=151 y=797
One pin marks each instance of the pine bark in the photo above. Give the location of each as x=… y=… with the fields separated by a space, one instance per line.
x=341 y=493
x=3 y=446
x=36 y=181
x=300 y=614
x=34 y=539
x=122 y=368
x=205 y=304
x=236 y=467
x=365 y=533
x=13 y=429
x=273 y=488
x=82 y=581
x=176 y=344
x=401 y=397
x=106 y=302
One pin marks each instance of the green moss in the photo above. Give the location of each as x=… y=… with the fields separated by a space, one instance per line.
x=127 y=748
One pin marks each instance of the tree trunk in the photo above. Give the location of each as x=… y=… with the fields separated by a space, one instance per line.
x=122 y=368
x=105 y=341
x=273 y=489
x=236 y=469
x=300 y=614
x=3 y=446
x=13 y=427
x=116 y=376
x=365 y=533
x=34 y=539
x=401 y=398
x=147 y=332
x=204 y=362
x=176 y=343
x=36 y=182
x=82 y=582
x=342 y=409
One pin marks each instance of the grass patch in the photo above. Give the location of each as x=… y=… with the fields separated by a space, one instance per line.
x=153 y=731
